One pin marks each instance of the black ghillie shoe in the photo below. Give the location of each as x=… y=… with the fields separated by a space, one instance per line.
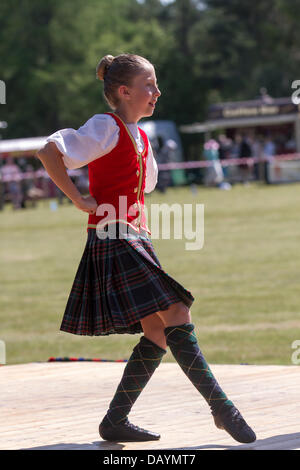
x=126 y=432
x=233 y=422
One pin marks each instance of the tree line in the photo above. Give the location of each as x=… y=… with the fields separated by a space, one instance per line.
x=204 y=52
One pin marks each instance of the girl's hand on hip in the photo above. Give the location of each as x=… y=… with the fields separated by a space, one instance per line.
x=86 y=204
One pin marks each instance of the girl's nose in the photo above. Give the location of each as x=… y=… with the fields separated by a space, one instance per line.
x=157 y=92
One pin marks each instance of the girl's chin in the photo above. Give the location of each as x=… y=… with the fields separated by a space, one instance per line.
x=149 y=112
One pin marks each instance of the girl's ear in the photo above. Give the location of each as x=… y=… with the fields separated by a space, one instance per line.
x=124 y=92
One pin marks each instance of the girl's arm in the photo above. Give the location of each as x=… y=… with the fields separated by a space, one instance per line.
x=52 y=161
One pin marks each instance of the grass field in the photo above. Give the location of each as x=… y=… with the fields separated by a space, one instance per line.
x=245 y=279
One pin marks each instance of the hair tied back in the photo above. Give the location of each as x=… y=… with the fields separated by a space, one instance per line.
x=103 y=66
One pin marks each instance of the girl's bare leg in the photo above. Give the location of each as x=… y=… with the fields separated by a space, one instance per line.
x=153 y=328
x=154 y=325
x=176 y=314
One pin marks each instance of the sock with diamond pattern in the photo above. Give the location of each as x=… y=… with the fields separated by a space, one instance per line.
x=145 y=358
x=184 y=346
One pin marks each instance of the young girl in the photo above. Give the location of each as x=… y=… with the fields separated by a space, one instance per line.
x=120 y=286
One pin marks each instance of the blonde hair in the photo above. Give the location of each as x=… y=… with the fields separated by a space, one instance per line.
x=117 y=71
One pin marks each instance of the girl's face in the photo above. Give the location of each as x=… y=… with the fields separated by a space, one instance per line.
x=143 y=94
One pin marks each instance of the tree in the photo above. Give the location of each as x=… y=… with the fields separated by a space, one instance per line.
x=50 y=51
x=204 y=51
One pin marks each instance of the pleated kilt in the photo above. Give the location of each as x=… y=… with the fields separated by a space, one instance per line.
x=118 y=283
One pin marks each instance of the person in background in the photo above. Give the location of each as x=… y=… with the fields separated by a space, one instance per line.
x=32 y=193
x=269 y=148
x=214 y=175
x=268 y=153
x=257 y=148
x=225 y=151
x=245 y=151
x=290 y=145
x=235 y=148
x=12 y=177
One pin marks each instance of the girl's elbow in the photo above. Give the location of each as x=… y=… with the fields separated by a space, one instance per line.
x=39 y=154
x=43 y=152
x=49 y=150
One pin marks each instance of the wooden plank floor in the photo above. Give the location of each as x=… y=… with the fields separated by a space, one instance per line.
x=59 y=405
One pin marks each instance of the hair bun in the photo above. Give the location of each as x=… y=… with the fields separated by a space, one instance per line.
x=103 y=66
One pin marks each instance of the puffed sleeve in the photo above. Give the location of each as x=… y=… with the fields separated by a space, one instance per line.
x=151 y=171
x=97 y=137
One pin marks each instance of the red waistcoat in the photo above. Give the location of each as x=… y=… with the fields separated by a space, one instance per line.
x=117 y=182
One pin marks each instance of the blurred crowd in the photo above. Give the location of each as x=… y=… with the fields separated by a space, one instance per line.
x=22 y=184
x=242 y=145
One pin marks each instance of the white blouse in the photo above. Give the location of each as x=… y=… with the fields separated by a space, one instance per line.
x=96 y=138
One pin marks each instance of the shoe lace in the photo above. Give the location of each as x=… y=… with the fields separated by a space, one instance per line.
x=237 y=419
x=133 y=426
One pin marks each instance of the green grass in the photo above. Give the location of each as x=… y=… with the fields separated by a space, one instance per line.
x=245 y=279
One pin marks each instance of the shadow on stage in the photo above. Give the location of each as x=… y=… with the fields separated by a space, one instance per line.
x=279 y=442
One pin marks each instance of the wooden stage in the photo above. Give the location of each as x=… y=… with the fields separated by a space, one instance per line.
x=58 y=406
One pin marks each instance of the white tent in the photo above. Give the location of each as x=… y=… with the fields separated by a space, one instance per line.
x=15 y=146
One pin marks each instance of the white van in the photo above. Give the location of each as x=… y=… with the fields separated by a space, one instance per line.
x=161 y=133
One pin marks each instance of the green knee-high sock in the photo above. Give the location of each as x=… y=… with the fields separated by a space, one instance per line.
x=184 y=346
x=145 y=358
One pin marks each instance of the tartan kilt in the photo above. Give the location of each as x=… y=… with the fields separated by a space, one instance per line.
x=118 y=282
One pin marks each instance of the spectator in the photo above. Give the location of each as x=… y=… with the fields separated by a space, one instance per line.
x=225 y=145
x=235 y=148
x=245 y=151
x=214 y=172
x=269 y=149
x=225 y=151
x=12 y=177
x=31 y=191
x=257 y=153
x=290 y=146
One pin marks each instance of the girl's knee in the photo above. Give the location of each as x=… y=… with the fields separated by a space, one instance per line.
x=177 y=314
